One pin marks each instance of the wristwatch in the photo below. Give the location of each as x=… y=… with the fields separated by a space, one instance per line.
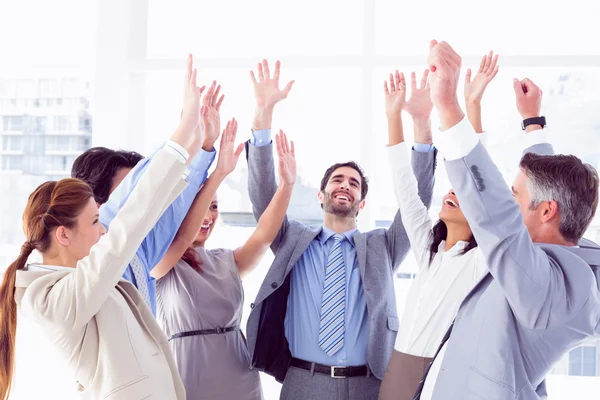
x=533 y=121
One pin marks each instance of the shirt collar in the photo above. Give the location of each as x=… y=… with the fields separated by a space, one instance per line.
x=327 y=233
x=457 y=248
x=50 y=268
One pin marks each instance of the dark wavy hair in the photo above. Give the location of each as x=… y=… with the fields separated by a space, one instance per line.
x=439 y=232
x=98 y=166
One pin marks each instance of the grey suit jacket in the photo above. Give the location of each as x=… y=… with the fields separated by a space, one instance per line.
x=379 y=253
x=537 y=302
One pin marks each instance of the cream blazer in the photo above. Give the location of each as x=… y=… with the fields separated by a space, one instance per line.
x=99 y=323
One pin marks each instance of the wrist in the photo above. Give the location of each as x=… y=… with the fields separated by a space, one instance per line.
x=473 y=101
x=422 y=128
x=219 y=174
x=286 y=186
x=527 y=115
x=263 y=116
x=450 y=115
x=208 y=145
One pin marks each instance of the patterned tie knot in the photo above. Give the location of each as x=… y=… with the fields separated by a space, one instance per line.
x=338 y=237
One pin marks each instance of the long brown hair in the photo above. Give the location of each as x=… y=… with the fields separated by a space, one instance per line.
x=51 y=205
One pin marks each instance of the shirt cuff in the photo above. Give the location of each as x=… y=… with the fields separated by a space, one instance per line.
x=177 y=150
x=456 y=142
x=261 y=137
x=422 y=147
x=539 y=136
x=399 y=156
x=199 y=166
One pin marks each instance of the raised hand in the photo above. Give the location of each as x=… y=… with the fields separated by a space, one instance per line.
x=529 y=98
x=266 y=87
x=444 y=64
x=210 y=117
x=475 y=88
x=190 y=115
x=287 y=159
x=228 y=157
x=395 y=94
x=419 y=103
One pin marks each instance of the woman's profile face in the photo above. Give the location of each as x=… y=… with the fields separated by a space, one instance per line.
x=86 y=233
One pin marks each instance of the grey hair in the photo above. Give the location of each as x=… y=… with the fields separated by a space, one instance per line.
x=572 y=184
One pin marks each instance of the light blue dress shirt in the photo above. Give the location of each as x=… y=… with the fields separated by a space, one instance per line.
x=303 y=316
x=157 y=242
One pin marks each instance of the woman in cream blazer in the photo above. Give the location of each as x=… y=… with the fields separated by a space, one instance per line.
x=98 y=322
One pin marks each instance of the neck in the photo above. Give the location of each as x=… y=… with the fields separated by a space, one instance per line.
x=60 y=260
x=339 y=224
x=553 y=238
x=457 y=233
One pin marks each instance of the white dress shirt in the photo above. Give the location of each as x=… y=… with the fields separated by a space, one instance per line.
x=456 y=143
x=440 y=287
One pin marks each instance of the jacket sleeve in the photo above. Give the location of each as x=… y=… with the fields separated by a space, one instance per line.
x=74 y=299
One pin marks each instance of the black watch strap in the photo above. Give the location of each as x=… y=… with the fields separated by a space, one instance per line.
x=533 y=121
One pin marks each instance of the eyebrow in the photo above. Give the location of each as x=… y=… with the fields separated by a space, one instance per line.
x=343 y=176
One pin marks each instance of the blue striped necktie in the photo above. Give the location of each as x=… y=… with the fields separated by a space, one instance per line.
x=333 y=305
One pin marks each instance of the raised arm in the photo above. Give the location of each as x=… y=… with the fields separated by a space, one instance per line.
x=86 y=289
x=412 y=224
x=475 y=88
x=414 y=214
x=538 y=289
x=250 y=253
x=259 y=150
x=156 y=243
x=228 y=157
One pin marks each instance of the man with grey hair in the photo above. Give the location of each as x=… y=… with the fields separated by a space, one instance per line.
x=541 y=297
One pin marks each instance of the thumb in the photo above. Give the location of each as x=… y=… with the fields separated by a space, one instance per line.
x=468 y=76
x=432 y=44
x=239 y=150
x=288 y=87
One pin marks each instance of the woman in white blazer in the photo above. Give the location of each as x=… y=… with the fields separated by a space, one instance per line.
x=98 y=322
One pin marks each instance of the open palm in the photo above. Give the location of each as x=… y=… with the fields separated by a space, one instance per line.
x=266 y=87
x=287 y=159
x=211 y=117
x=419 y=104
x=191 y=112
x=395 y=94
x=228 y=154
x=488 y=69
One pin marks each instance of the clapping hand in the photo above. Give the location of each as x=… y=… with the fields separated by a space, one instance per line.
x=210 y=116
x=419 y=104
x=228 y=157
x=444 y=64
x=475 y=88
x=529 y=98
x=395 y=94
x=287 y=159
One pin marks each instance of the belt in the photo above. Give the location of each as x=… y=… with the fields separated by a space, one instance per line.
x=216 y=331
x=332 y=371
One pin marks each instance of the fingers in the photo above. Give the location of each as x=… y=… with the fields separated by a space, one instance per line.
x=218 y=106
x=278 y=144
x=468 y=76
x=386 y=90
x=518 y=88
x=201 y=90
x=493 y=64
x=277 y=70
x=482 y=64
x=225 y=133
x=400 y=80
x=288 y=87
x=253 y=77
x=432 y=44
x=261 y=76
x=193 y=78
x=207 y=101
x=413 y=82
x=215 y=96
x=266 y=71
x=392 y=83
x=284 y=143
x=424 y=79
x=494 y=71
x=293 y=149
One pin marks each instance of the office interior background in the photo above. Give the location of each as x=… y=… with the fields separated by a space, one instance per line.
x=81 y=73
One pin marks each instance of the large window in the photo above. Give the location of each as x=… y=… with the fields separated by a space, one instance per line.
x=338 y=52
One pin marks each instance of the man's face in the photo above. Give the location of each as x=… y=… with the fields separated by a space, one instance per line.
x=342 y=195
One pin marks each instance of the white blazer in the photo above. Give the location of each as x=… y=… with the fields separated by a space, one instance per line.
x=98 y=322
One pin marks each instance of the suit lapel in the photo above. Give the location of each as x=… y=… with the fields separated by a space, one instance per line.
x=360 y=244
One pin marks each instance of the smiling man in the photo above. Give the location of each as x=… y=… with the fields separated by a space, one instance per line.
x=327 y=307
